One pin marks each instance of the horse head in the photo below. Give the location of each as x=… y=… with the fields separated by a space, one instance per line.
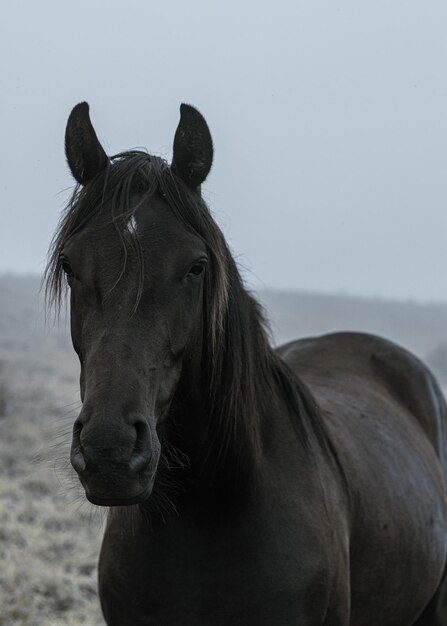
x=136 y=248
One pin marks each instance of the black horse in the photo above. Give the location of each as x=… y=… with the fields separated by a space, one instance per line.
x=297 y=486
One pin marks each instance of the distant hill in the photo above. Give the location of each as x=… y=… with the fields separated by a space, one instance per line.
x=421 y=328
x=418 y=327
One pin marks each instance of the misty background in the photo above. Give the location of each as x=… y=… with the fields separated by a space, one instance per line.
x=329 y=122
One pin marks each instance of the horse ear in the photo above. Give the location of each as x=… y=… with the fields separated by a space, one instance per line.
x=193 y=147
x=85 y=155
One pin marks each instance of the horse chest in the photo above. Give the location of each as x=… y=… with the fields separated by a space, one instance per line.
x=213 y=574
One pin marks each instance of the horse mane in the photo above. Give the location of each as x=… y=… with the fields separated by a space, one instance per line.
x=240 y=365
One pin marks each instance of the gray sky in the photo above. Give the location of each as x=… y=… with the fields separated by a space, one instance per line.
x=329 y=120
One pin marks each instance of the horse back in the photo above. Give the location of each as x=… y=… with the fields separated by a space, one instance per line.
x=364 y=363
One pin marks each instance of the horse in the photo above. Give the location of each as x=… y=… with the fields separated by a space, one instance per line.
x=246 y=485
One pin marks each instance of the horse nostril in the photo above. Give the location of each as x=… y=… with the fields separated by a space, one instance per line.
x=78 y=462
x=141 y=454
x=77 y=458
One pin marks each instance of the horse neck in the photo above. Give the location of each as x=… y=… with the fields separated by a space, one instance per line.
x=235 y=389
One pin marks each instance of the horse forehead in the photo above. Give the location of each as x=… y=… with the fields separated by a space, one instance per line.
x=155 y=226
x=157 y=231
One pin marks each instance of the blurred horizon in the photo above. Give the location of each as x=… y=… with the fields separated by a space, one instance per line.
x=259 y=289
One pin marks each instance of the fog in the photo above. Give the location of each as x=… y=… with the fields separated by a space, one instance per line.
x=329 y=180
x=329 y=123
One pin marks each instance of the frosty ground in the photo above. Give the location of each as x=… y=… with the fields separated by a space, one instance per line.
x=49 y=535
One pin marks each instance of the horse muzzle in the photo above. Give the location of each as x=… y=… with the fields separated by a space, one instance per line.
x=115 y=464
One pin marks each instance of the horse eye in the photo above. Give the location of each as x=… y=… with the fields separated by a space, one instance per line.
x=66 y=267
x=197 y=268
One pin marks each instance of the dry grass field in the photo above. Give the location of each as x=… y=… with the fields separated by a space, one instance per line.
x=49 y=534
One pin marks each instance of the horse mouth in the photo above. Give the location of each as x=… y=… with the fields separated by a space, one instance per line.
x=101 y=501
